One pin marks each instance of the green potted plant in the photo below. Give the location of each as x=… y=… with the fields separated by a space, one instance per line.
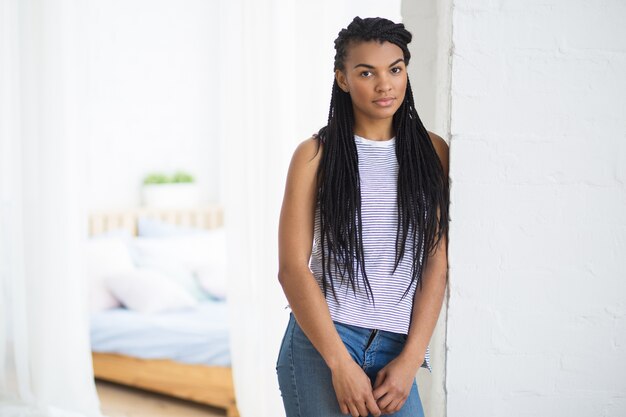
x=176 y=190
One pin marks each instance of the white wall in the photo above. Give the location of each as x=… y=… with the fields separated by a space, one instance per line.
x=153 y=96
x=537 y=311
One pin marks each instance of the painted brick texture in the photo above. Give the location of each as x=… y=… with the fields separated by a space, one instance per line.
x=537 y=308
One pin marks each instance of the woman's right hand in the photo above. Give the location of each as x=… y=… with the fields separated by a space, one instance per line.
x=354 y=390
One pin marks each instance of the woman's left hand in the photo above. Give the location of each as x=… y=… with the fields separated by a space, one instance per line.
x=393 y=384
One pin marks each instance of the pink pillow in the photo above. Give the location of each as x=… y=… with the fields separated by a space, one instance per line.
x=103 y=257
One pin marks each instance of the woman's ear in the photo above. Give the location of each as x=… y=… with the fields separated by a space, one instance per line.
x=341 y=81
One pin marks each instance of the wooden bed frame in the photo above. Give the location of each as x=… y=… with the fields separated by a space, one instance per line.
x=211 y=385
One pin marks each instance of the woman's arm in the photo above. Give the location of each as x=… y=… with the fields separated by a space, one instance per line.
x=295 y=238
x=393 y=383
x=427 y=302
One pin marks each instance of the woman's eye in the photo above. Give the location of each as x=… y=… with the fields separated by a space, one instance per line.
x=396 y=70
x=366 y=74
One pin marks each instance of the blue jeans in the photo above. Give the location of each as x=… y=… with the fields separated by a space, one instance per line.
x=305 y=380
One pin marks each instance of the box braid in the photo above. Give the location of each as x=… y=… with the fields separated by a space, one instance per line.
x=422 y=184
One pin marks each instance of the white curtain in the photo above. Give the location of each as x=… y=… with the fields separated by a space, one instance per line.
x=45 y=362
x=274 y=92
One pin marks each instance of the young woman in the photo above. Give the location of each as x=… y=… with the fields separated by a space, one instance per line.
x=363 y=239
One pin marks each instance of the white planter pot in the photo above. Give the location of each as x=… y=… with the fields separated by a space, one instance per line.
x=170 y=195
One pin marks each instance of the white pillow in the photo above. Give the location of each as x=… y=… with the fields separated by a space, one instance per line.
x=192 y=251
x=178 y=274
x=148 y=291
x=103 y=257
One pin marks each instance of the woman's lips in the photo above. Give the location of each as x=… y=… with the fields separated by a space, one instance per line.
x=384 y=102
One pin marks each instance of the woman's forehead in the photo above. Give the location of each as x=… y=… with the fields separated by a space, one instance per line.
x=373 y=53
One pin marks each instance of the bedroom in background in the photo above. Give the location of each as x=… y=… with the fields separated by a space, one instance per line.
x=156 y=254
x=112 y=242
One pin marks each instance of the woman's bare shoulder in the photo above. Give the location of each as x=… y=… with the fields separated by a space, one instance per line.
x=304 y=162
x=442 y=149
x=309 y=149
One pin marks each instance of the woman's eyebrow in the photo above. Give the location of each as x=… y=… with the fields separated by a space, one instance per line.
x=372 y=67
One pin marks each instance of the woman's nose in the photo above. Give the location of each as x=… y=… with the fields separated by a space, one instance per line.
x=384 y=84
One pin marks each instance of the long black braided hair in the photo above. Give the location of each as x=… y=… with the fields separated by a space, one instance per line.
x=422 y=192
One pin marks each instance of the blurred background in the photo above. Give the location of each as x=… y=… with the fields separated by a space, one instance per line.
x=144 y=147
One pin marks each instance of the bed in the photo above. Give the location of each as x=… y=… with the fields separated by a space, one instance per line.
x=153 y=357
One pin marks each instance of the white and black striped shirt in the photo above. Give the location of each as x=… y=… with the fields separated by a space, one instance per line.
x=378 y=171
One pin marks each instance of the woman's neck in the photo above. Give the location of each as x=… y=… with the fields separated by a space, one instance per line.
x=380 y=130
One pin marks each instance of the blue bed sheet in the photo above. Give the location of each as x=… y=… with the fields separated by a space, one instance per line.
x=196 y=335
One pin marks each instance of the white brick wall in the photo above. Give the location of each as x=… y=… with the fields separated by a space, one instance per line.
x=537 y=309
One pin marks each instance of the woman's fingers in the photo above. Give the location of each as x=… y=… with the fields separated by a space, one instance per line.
x=384 y=402
x=362 y=409
x=396 y=406
x=354 y=389
x=393 y=386
x=354 y=411
x=390 y=399
x=373 y=408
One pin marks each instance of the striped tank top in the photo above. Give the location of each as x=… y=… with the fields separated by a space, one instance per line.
x=378 y=171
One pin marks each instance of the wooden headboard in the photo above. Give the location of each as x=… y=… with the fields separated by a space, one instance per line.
x=208 y=216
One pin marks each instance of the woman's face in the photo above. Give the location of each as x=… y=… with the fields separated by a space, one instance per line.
x=375 y=76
